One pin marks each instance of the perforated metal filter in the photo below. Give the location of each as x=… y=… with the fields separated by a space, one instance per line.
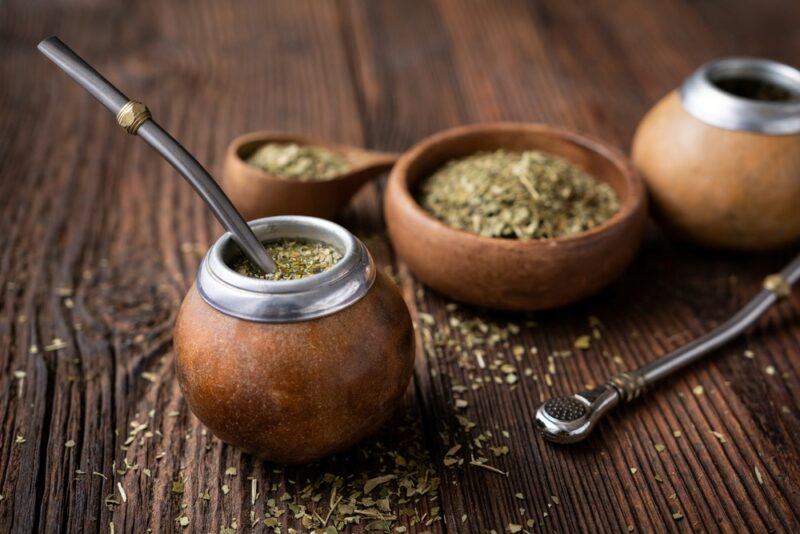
x=565 y=408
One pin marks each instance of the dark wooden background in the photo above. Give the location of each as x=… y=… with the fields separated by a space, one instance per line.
x=99 y=240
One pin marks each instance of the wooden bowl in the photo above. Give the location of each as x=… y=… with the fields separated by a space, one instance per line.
x=257 y=194
x=511 y=274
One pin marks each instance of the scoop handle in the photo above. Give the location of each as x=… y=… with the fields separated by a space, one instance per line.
x=135 y=118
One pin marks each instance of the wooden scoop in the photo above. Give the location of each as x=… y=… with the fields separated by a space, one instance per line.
x=257 y=193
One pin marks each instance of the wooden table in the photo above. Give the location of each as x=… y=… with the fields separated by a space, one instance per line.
x=100 y=240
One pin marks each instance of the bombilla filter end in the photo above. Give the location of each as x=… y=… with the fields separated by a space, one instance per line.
x=571 y=419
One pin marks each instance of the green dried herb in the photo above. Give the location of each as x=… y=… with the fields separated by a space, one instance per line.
x=394 y=486
x=522 y=195
x=303 y=163
x=294 y=258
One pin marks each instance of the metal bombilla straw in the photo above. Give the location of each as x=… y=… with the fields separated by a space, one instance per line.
x=135 y=118
x=571 y=419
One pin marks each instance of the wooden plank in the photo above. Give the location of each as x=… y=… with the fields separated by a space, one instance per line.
x=591 y=69
x=100 y=241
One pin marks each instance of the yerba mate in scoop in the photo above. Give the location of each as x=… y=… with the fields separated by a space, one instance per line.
x=523 y=195
x=296 y=162
x=257 y=192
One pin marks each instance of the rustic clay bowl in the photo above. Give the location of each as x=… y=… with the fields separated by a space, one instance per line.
x=511 y=274
x=256 y=193
x=289 y=390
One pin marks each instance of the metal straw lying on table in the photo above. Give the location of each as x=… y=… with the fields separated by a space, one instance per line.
x=571 y=419
x=135 y=118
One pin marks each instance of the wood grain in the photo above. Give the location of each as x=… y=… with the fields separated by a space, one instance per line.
x=100 y=240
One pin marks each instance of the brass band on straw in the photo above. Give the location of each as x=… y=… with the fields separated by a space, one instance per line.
x=132 y=115
x=630 y=384
x=778 y=285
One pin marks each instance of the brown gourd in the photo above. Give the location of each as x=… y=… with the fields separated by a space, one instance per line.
x=720 y=187
x=296 y=392
x=294 y=370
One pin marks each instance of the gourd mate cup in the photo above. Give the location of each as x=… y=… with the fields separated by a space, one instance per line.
x=257 y=193
x=296 y=370
x=288 y=370
x=512 y=274
x=723 y=169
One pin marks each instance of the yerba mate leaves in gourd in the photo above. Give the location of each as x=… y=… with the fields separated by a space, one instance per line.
x=522 y=195
x=303 y=163
x=293 y=258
